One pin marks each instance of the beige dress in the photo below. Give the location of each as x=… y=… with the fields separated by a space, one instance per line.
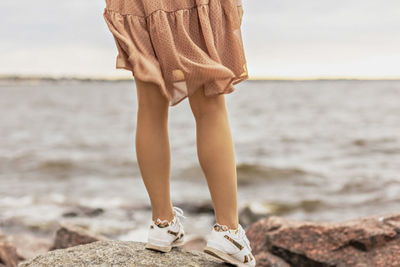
x=180 y=45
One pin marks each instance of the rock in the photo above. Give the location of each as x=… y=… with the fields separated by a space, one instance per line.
x=252 y=213
x=8 y=254
x=70 y=235
x=265 y=258
x=29 y=245
x=365 y=241
x=121 y=253
x=197 y=207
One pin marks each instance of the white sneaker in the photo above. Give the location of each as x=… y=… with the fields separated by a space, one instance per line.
x=163 y=235
x=231 y=246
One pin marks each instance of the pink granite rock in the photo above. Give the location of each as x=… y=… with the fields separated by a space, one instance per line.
x=8 y=254
x=365 y=241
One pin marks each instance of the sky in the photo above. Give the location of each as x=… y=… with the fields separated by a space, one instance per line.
x=282 y=38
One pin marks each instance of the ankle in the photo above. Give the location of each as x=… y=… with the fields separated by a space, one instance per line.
x=225 y=227
x=230 y=222
x=163 y=218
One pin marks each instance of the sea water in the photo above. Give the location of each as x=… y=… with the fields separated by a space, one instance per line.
x=324 y=150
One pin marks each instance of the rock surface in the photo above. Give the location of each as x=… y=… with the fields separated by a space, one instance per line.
x=120 y=253
x=361 y=242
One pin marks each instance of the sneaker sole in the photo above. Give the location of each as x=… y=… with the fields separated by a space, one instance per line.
x=164 y=249
x=223 y=256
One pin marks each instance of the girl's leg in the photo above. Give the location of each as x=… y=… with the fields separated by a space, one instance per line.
x=153 y=149
x=215 y=150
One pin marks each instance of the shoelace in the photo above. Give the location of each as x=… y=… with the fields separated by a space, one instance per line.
x=244 y=237
x=179 y=213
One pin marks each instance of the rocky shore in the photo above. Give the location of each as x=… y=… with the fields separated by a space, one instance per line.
x=276 y=241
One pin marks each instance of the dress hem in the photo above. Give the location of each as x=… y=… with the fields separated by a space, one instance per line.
x=159 y=56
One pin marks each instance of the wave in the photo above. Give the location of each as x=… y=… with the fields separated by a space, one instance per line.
x=361 y=142
x=250 y=173
x=32 y=166
x=285 y=207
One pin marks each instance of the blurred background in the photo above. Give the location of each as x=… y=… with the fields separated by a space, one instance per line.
x=316 y=127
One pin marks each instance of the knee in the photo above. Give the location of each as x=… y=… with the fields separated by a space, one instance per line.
x=203 y=106
x=152 y=114
x=151 y=103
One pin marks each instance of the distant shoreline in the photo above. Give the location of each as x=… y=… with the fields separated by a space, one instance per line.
x=37 y=78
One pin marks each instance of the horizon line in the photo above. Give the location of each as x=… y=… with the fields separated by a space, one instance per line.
x=251 y=78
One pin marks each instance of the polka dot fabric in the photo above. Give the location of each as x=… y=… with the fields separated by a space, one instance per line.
x=180 y=45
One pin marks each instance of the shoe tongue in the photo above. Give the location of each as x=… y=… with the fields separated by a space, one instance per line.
x=234 y=232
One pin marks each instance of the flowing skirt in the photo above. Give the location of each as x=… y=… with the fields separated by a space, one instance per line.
x=180 y=45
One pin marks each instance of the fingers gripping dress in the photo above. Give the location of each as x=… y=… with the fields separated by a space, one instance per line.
x=180 y=45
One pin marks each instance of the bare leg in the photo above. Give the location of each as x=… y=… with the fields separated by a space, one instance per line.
x=153 y=149
x=215 y=150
